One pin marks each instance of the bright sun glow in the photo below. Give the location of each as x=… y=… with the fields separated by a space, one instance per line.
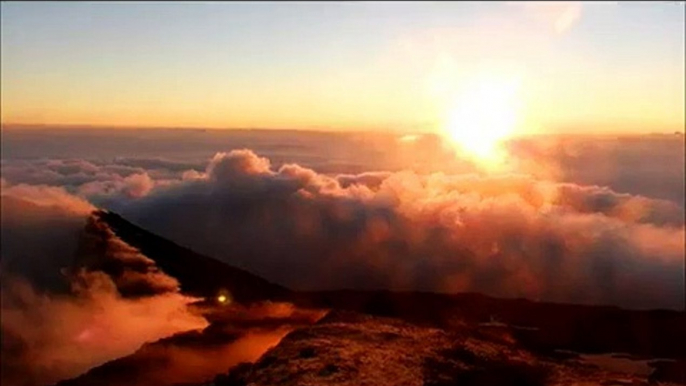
x=482 y=117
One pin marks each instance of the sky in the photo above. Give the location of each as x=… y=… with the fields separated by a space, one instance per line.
x=579 y=67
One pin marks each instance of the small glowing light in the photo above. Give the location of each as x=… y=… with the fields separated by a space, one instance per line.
x=223 y=297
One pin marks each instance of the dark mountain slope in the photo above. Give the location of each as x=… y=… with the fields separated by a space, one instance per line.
x=198 y=275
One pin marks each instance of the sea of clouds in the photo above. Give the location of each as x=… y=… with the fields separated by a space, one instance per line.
x=572 y=219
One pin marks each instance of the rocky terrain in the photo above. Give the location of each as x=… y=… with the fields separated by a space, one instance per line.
x=355 y=349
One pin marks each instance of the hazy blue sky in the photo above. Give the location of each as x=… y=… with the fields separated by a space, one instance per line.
x=339 y=65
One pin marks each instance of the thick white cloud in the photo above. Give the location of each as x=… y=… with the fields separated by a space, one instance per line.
x=510 y=235
x=590 y=219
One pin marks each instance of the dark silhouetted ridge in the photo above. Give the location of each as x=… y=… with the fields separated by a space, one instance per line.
x=198 y=275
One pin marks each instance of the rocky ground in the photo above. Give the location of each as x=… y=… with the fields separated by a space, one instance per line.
x=350 y=349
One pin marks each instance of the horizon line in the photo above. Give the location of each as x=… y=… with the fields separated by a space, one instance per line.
x=67 y=126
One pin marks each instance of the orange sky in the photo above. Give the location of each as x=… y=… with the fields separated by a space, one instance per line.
x=605 y=67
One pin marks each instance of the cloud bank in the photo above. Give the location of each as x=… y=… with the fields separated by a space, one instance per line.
x=508 y=235
x=589 y=219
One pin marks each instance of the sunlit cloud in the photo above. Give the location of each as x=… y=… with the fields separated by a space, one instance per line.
x=506 y=235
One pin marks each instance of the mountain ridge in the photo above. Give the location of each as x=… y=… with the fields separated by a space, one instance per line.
x=199 y=275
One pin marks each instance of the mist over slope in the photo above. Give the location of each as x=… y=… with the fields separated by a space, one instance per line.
x=61 y=313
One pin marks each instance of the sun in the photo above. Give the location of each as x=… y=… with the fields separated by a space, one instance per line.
x=481 y=117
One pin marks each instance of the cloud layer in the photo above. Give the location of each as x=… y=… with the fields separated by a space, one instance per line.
x=592 y=220
x=507 y=235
